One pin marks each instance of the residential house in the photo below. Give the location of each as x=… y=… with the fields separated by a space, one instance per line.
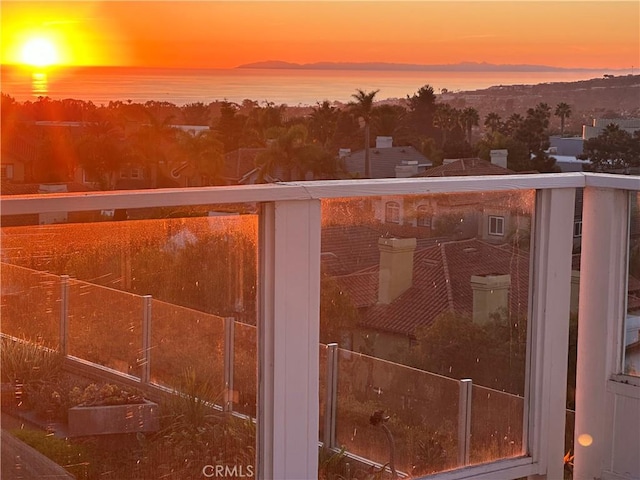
x=459 y=215
x=409 y=288
x=387 y=161
x=240 y=166
x=44 y=218
x=629 y=125
x=17 y=157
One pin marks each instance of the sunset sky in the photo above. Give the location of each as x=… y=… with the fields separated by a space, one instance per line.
x=207 y=34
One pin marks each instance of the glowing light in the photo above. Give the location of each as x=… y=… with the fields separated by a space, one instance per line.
x=39 y=52
x=585 y=439
x=39 y=83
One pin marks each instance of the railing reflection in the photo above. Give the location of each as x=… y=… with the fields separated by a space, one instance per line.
x=31 y=305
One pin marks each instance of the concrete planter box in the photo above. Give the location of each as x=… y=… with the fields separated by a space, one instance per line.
x=108 y=419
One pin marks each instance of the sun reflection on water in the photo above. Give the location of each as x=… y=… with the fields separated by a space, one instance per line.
x=39 y=84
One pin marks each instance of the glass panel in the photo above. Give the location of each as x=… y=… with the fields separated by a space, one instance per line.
x=323 y=388
x=391 y=413
x=147 y=303
x=245 y=374
x=105 y=326
x=425 y=306
x=30 y=304
x=496 y=424
x=173 y=327
x=632 y=330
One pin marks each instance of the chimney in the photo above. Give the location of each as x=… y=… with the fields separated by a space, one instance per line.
x=408 y=168
x=499 y=157
x=396 y=267
x=384 y=142
x=490 y=295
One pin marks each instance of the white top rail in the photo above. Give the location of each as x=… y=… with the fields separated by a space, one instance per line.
x=173 y=197
x=622 y=182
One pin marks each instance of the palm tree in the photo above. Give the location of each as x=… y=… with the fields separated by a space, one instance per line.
x=389 y=120
x=205 y=153
x=422 y=106
x=363 y=107
x=323 y=121
x=446 y=118
x=512 y=124
x=563 y=110
x=470 y=119
x=101 y=151
x=280 y=156
x=493 y=122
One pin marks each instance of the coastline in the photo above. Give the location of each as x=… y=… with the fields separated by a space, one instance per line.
x=298 y=87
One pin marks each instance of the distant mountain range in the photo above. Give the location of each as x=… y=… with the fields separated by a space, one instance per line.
x=453 y=67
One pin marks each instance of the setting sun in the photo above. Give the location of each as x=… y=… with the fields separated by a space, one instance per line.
x=39 y=52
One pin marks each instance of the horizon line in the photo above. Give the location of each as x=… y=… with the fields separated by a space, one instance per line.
x=329 y=65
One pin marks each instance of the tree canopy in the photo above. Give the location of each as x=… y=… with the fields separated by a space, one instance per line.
x=614 y=150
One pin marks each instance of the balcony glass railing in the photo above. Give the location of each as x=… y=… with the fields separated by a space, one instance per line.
x=438 y=316
x=432 y=292
x=632 y=325
x=154 y=306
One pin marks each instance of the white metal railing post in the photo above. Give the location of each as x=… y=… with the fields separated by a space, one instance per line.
x=64 y=314
x=603 y=272
x=229 y=338
x=548 y=330
x=331 y=396
x=145 y=361
x=464 y=421
x=289 y=340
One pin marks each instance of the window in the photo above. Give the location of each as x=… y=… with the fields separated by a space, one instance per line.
x=423 y=216
x=131 y=172
x=136 y=172
x=392 y=212
x=496 y=225
x=7 y=171
x=89 y=177
x=577 y=228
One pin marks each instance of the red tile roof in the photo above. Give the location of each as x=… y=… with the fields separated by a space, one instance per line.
x=466 y=167
x=441 y=282
x=240 y=162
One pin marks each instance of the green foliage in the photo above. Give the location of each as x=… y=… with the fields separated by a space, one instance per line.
x=72 y=456
x=196 y=434
x=445 y=225
x=107 y=394
x=563 y=110
x=190 y=406
x=27 y=362
x=492 y=354
x=614 y=150
x=532 y=131
x=50 y=399
x=338 y=315
x=333 y=465
x=290 y=157
x=422 y=106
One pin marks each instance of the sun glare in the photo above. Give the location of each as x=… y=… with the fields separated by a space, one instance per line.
x=39 y=52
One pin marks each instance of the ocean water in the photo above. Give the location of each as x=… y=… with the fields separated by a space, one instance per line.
x=291 y=87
